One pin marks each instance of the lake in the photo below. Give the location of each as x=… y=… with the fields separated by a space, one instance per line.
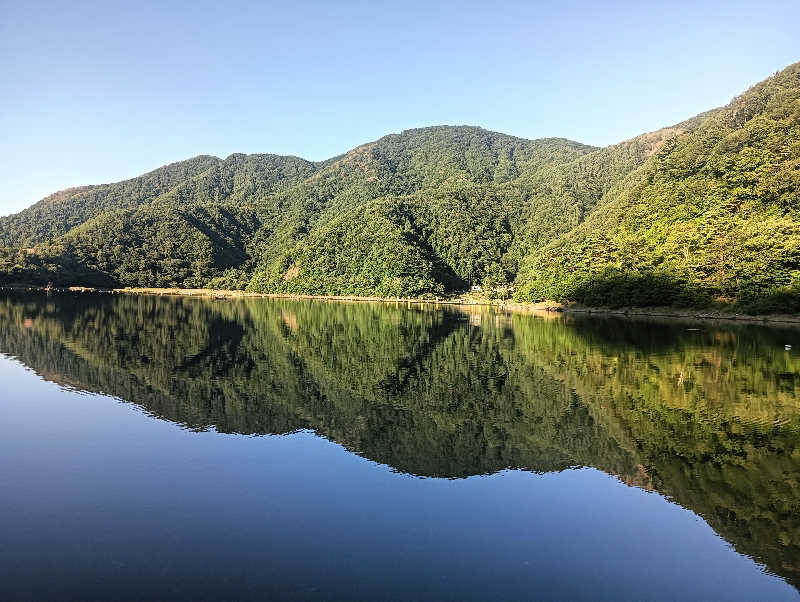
x=189 y=449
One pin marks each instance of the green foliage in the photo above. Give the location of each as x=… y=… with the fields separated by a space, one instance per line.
x=51 y=264
x=60 y=212
x=715 y=213
x=710 y=418
x=411 y=214
x=704 y=211
x=163 y=245
x=364 y=252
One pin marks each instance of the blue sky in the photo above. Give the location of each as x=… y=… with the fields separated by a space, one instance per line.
x=95 y=92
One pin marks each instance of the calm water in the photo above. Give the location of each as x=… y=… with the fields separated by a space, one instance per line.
x=191 y=449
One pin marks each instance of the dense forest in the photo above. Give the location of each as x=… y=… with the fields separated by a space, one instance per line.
x=707 y=417
x=706 y=211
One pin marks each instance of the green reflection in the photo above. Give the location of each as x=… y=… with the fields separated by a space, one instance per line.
x=709 y=417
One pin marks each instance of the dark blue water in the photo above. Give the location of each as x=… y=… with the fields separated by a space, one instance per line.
x=450 y=466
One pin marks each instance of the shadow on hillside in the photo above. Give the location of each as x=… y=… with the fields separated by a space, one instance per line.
x=784 y=302
x=42 y=268
x=647 y=289
x=618 y=289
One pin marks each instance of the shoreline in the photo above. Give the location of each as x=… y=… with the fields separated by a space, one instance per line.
x=466 y=299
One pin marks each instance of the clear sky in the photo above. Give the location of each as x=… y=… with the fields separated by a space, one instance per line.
x=93 y=92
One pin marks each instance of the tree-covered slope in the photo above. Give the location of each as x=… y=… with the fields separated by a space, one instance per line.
x=58 y=213
x=248 y=219
x=715 y=212
x=704 y=209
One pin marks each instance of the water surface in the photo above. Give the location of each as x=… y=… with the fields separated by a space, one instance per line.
x=169 y=447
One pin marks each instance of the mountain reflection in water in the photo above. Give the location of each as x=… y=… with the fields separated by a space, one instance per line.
x=707 y=415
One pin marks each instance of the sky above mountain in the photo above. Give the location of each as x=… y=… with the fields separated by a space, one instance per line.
x=101 y=91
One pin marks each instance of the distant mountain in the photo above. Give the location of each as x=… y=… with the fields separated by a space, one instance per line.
x=702 y=210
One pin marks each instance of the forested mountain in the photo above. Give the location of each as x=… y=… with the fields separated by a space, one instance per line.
x=58 y=213
x=715 y=212
x=706 y=209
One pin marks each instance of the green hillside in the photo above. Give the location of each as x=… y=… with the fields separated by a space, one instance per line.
x=715 y=213
x=703 y=210
x=58 y=213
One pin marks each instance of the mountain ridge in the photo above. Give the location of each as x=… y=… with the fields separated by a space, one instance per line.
x=432 y=209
